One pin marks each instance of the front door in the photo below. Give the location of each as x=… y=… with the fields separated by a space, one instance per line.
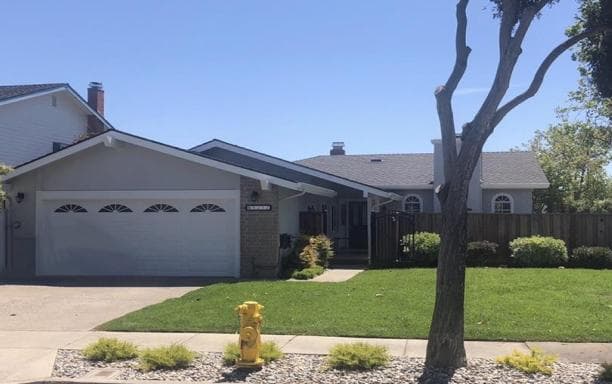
x=358 y=224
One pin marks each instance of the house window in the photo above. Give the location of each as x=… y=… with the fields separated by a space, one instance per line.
x=161 y=208
x=413 y=204
x=208 y=208
x=70 y=208
x=502 y=203
x=120 y=208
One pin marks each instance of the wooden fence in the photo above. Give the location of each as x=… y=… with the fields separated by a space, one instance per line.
x=575 y=229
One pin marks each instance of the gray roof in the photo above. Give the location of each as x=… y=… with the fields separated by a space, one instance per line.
x=393 y=170
x=11 y=91
x=516 y=167
x=416 y=169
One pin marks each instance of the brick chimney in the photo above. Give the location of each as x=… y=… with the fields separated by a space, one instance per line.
x=337 y=148
x=95 y=99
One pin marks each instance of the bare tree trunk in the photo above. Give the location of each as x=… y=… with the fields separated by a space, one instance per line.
x=445 y=348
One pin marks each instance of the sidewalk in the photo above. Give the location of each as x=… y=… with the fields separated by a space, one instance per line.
x=29 y=355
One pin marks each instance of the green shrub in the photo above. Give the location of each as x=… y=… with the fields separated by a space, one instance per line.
x=270 y=351
x=109 y=350
x=591 y=257
x=426 y=248
x=308 y=273
x=538 y=251
x=534 y=362
x=318 y=251
x=480 y=253
x=174 y=356
x=606 y=373
x=358 y=356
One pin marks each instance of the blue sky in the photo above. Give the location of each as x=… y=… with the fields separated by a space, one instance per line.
x=283 y=77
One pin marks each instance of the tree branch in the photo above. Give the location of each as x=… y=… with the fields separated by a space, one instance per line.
x=538 y=78
x=444 y=94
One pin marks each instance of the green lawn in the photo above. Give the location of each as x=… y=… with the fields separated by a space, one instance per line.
x=501 y=304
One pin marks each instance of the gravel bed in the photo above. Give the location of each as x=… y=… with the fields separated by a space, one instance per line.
x=295 y=368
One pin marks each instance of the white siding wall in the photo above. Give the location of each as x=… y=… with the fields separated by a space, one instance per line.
x=28 y=128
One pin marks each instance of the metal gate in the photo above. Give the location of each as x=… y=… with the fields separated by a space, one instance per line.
x=392 y=238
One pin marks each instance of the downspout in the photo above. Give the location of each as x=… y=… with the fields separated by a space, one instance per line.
x=5 y=212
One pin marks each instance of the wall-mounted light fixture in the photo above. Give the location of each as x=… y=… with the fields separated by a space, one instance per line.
x=19 y=197
x=254 y=196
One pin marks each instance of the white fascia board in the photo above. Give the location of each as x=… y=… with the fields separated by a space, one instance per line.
x=115 y=135
x=292 y=166
x=414 y=186
x=87 y=107
x=514 y=186
x=33 y=95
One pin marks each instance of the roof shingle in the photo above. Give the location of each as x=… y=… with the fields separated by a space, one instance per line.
x=11 y=91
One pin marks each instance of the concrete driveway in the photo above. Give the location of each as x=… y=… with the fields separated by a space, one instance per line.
x=73 y=308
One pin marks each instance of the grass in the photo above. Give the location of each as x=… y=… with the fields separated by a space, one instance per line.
x=270 y=351
x=109 y=350
x=358 y=356
x=501 y=304
x=174 y=356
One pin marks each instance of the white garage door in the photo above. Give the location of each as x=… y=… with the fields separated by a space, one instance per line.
x=189 y=233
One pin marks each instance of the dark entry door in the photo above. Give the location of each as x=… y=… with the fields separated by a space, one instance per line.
x=358 y=224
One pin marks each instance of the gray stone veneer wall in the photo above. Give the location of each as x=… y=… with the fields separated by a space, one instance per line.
x=259 y=231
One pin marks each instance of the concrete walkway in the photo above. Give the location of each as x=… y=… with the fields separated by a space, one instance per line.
x=29 y=355
x=336 y=275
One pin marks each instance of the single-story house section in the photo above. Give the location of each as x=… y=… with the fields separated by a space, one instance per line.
x=120 y=205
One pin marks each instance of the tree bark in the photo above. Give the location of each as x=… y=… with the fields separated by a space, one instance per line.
x=445 y=348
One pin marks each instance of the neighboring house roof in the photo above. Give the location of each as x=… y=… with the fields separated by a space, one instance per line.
x=415 y=170
x=262 y=162
x=14 y=93
x=8 y=92
x=513 y=169
x=404 y=171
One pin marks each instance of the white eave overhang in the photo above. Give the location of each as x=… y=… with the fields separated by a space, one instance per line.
x=110 y=138
x=514 y=185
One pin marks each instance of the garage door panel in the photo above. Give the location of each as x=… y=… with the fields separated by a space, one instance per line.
x=140 y=243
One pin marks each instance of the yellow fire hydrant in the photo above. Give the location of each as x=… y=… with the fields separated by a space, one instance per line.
x=250 y=334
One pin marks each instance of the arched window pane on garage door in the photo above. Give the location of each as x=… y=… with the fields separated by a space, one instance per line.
x=208 y=208
x=115 y=208
x=161 y=208
x=70 y=208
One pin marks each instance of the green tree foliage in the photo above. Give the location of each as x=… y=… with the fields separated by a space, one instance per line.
x=574 y=156
x=3 y=171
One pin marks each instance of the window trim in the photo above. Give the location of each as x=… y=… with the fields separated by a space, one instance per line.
x=412 y=195
x=496 y=196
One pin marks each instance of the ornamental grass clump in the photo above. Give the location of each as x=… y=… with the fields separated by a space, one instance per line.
x=358 y=356
x=534 y=362
x=174 y=356
x=109 y=350
x=270 y=351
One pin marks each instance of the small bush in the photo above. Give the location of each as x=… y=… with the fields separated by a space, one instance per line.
x=318 y=251
x=308 y=273
x=270 y=351
x=426 y=248
x=534 y=362
x=591 y=257
x=538 y=251
x=109 y=350
x=358 y=356
x=606 y=373
x=174 y=356
x=480 y=253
